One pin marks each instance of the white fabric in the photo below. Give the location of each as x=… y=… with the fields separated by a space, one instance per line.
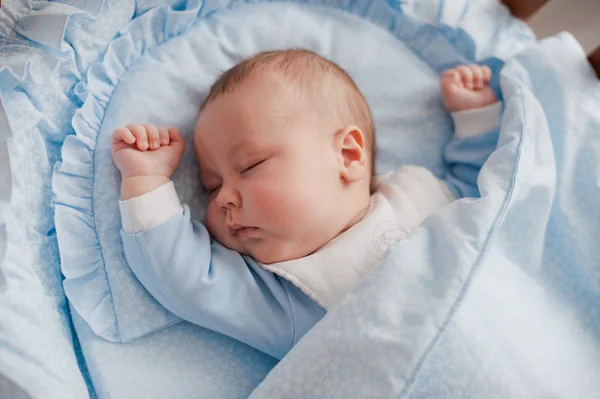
x=474 y=122
x=149 y=210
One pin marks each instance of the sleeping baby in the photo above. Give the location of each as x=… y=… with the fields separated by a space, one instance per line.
x=296 y=214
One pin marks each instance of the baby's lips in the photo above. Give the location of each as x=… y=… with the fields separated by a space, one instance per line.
x=238 y=230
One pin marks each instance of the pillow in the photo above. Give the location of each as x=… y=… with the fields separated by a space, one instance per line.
x=160 y=69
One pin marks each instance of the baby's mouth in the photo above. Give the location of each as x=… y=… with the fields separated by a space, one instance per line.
x=237 y=230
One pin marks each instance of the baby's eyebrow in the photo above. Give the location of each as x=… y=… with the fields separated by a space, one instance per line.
x=237 y=147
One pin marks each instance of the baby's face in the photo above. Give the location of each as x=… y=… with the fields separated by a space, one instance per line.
x=271 y=173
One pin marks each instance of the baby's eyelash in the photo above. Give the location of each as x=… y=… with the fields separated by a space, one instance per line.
x=254 y=165
x=211 y=191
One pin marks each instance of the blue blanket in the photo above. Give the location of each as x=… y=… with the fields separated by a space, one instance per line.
x=491 y=298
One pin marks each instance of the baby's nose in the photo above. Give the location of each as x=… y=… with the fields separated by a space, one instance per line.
x=229 y=197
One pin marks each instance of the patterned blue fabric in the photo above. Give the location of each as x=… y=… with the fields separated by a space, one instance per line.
x=54 y=56
x=44 y=49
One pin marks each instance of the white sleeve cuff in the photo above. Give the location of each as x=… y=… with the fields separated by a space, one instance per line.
x=474 y=122
x=151 y=209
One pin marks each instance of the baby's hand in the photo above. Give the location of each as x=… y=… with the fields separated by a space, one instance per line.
x=467 y=87
x=146 y=150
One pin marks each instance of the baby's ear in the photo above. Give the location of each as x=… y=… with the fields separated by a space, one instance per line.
x=352 y=153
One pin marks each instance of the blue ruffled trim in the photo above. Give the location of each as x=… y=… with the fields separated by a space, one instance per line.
x=74 y=177
x=86 y=283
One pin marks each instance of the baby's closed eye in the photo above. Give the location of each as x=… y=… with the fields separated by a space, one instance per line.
x=213 y=189
x=253 y=165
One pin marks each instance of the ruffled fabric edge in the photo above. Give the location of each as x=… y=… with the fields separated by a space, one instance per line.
x=86 y=282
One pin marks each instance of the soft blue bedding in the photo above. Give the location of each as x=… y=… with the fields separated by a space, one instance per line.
x=39 y=352
x=491 y=298
x=168 y=48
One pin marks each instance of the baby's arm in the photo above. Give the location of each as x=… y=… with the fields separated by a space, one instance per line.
x=203 y=282
x=476 y=114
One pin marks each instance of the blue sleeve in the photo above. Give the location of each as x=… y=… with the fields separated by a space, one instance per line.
x=475 y=138
x=464 y=158
x=207 y=284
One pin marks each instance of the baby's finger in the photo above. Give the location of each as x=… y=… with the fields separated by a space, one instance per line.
x=123 y=134
x=177 y=142
x=141 y=138
x=467 y=76
x=153 y=136
x=451 y=76
x=164 y=135
x=487 y=73
x=477 y=76
x=174 y=135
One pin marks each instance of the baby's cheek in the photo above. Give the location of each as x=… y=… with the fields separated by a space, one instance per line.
x=281 y=205
x=212 y=221
x=263 y=202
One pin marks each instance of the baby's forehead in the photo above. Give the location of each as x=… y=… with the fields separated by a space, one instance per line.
x=258 y=107
x=227 y=139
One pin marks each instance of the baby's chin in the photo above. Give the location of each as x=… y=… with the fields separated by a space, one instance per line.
x=264 y=251
x=270 y=258
x=266 y=255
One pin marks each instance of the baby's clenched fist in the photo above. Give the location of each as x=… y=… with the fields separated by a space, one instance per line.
x=467 y=87
x=146 y=150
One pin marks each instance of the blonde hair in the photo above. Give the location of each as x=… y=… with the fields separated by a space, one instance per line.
x=326 y=87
